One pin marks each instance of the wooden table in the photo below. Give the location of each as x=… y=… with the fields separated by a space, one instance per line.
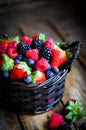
x=60 y=29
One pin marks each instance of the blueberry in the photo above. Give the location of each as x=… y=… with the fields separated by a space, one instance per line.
x=17 y=61
x=83 y=126
x=20 y=57
x=5 y=74
x=49 y=74
x=30 y=62
x=49 y=67
x=55 y=70
x=28 y=79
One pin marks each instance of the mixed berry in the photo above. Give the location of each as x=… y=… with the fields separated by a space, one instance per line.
x=31 y=60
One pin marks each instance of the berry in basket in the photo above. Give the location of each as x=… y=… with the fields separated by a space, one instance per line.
x=31 y=60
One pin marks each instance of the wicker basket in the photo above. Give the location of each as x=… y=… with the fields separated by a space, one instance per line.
x=39 y=97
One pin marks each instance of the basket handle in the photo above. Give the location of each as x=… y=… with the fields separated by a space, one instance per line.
x=75 y=48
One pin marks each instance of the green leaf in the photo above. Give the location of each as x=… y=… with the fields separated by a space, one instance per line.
x=17 y=38
x=69 y=115
x=71 y=104
x=5 y=37
x=68 y=54
x=69 y=108
x=57 y=45
x=42 y=37
x=74 y=119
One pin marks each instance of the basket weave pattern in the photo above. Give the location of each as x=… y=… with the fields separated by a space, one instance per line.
x=39 y=97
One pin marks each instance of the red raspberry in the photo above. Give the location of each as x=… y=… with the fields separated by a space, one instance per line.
x=13 y=44
x=55 y=121
x=50 y=44
x=42 y=65
x=26 y=39
x=12 y=53
x=58 y=57
x=33 y=54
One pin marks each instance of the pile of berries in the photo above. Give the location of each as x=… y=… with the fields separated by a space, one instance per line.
x=31 y=60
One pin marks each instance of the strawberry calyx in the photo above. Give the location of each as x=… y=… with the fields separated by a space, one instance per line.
x=76 y=110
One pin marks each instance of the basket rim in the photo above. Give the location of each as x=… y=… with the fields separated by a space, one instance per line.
x=38 y=85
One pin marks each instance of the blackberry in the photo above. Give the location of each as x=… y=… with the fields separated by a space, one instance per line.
x=23 y=47
x=37 y=43
x=64 y=127
x=46 y=53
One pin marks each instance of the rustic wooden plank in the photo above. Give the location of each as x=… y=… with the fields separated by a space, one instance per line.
x=71 y=31
x=8 y=121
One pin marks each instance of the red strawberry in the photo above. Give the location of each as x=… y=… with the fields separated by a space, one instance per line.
x=38 y=76
x=12 y=53
x=3 y=46
x=35 y=36
x=19 y=71
x=33 y=54
x=42 y=64
x=58 y=57
x=26 y=39
x=55 y=121
x=50 y=44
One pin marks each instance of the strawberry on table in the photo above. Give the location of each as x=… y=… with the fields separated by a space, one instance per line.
x=19 y=71
x=75 y=110
x=58 y=57
x=38 y=76
x=56 y=120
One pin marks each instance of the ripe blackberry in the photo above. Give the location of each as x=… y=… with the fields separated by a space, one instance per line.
x=23 y=47
x=46 y=53
x=64 y=127
x=37 y=43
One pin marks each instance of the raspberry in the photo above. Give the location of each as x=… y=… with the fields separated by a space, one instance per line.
x=58 y=57
x=26 y=39
x=42 y=65
x=56 y=120
x=33 y=54
x=50 y=44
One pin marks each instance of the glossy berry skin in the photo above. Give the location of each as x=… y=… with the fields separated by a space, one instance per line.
x=16 y=61
x=20 y=57
x=30 y=62
x=12 y=53
x=13 y=44
x=26 y=39
x=28 y=79
x=64 y=127
x=37 y=44
x=49 y=74
x=55 y=70
x=5 y=74
x=83 y=126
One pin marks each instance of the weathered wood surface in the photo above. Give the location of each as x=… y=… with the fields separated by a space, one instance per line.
x=60 y=28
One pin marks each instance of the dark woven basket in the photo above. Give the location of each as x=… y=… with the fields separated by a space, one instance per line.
x=39 y=97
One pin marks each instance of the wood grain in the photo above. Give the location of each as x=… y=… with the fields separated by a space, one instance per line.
x=74 y=86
